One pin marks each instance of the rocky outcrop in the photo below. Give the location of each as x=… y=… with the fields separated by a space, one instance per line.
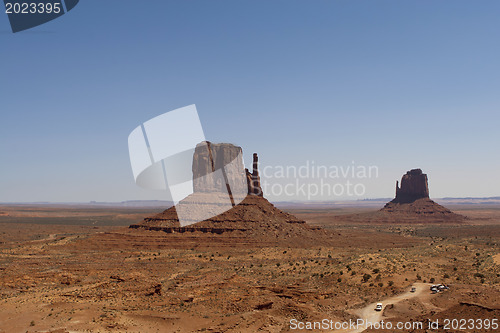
x=253 y=179
x=218 y=167
x=414 y=186
x=412 y=203
x=253 y=216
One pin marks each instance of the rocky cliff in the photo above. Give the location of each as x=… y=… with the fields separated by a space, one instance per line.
x=218 y=167
x=414 y=185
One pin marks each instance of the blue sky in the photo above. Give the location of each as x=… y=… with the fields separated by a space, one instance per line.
x=396 y=84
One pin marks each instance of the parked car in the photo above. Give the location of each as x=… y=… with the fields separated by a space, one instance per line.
x=413 y=289
x=379 y=307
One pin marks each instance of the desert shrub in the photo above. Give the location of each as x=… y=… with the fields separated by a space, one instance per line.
x=432 y=280
x=419 y=277
x=455 y=269
x=376 y=270
x=479 y=275
x=366 y=277
x=341 y=273
x=380 y=284
x=339 y=280
x=483 y=280
x=390 y=283
x=446 y=276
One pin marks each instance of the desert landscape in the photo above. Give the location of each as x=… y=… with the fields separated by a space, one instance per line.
x=254 y=268
x=250 y=166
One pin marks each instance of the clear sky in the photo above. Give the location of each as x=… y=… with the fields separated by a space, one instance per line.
x=393 y=84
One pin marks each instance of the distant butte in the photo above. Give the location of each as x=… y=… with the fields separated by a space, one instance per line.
x=414 y=186
x=412 y=201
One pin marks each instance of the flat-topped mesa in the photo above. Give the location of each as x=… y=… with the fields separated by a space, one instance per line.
x=253 y=179
x=414 y=186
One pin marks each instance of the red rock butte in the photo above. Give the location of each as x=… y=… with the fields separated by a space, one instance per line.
x=412 y=202
x=414 y=185
x=254 y=216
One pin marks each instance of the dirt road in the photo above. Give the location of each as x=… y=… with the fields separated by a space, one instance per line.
x=368 y=313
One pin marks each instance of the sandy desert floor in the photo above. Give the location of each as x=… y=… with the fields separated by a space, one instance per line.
x=83 y=270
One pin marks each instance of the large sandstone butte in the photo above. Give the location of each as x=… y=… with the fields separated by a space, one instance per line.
x=254 y=216
x=414 y=186
x=412 y=202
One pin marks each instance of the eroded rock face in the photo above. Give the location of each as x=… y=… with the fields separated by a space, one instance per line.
x=414 y=186
x=217 y=165
x=253 y=179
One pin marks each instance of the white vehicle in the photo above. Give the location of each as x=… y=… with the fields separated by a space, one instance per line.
x=379 y=307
